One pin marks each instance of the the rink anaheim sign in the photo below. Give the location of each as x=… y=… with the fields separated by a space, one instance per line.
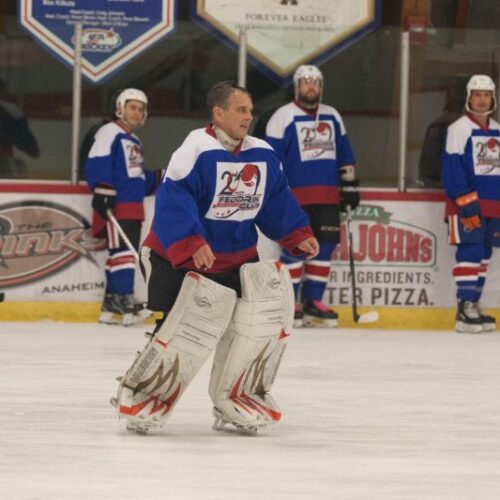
x=39 y=238
x=380 y=240
x=113 y=31
x=282 y=34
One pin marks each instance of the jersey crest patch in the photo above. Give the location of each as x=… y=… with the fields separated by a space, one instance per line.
x=239 y=191
x=316 y=142
x=133 y=158
x=486 y=154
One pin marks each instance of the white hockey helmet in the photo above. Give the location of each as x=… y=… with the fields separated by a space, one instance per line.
x=481 y=82
x=131 y=95
x=306 y=71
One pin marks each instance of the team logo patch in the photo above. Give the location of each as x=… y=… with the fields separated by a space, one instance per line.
x=316 y=140
x=40 y=238
x=486 y=155
x=239 y=191
x=133 y=158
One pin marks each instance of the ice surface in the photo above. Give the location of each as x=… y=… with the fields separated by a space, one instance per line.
x=367 y=415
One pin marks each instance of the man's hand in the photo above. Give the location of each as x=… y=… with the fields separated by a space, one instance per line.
x=104 y=199
x=203 y=258
x=310 y=247
x=469 y=211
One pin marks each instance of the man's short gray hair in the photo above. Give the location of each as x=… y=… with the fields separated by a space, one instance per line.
x=220 y=93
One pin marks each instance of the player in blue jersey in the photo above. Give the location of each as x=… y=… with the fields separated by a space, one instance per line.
x=317 y=158
x=201 y=263
x=471 y=178
x=115 y=172
x=219 y=186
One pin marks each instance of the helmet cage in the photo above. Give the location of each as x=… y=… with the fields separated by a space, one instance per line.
x=307 y=71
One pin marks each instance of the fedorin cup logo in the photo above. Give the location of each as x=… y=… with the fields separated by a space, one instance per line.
x=316 y=140
x=381 y=240
x=239 y=191
x=486 y=155
x=39 y=238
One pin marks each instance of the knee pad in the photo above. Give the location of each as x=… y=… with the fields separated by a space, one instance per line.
x=162 y=371
x=248 y=356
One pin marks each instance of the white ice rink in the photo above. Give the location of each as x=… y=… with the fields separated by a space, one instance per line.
x=367 y=415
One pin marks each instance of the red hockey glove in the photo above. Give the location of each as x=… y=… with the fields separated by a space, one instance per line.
x=469 y=211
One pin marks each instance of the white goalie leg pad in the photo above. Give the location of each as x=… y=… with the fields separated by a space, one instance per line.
x=162 y=371
x=248 y=356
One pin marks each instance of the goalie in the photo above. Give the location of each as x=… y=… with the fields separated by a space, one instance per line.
x=201 y=264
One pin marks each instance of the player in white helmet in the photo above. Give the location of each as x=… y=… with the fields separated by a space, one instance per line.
x=115 y=172
x=317 y=158
x=471 y=178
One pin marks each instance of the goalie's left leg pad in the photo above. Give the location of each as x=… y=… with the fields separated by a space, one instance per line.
x=163 y=370
x=248 y=356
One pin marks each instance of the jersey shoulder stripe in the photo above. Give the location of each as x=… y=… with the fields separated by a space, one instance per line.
x=458 y=134
x=251 y=142
x=281 y=119
x=104 y=139
x=184 y=158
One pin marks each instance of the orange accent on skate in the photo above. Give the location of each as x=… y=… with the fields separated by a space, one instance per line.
x=284 y=335
x=194 y=276
x=163 y=344
x=278 y=264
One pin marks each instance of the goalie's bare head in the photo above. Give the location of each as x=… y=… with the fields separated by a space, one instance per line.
x=231 y=109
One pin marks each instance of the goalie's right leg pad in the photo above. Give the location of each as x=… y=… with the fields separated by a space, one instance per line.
x=162 y=371
x=249 y=354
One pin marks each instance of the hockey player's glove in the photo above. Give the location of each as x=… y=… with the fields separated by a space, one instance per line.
x=469 y=211
x=104 y=199
x=349 y=194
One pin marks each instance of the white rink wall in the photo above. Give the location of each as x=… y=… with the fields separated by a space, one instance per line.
x=402 y=257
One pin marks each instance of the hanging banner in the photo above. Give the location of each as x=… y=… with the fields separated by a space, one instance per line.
x=282 y=34
x=114 y=31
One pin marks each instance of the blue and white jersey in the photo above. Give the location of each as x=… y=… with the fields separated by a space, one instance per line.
x=311 y=151
x=116 y=160
x=471 y=162
x=211 y=195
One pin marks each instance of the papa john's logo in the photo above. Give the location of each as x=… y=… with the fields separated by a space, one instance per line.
x=381 y=240
x=39 y=238
x=238 y=191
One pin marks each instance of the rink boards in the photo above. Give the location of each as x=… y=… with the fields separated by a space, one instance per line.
x=51 y=267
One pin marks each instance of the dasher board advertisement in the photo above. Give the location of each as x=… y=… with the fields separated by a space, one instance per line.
x=282 y=34
x=113 y=31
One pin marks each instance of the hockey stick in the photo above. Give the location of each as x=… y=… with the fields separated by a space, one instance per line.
x=2 y=296
x=369 y=317
x=124 y=237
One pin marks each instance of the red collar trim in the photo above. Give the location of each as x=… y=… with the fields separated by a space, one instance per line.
x=311 y=112
x=473 y=119
x=120 y=124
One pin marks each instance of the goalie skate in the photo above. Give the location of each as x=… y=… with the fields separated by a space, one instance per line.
x=224 y=424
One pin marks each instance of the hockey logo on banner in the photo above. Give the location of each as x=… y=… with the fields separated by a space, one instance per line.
x=39 y=239
x=113 y=32
x=282 y=34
